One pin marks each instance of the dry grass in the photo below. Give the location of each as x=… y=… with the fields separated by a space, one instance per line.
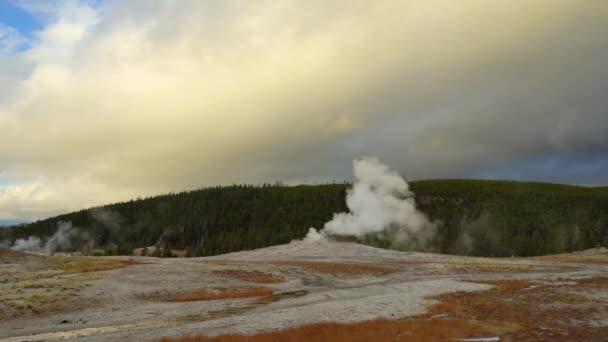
x=475 y=265
x=72 y=265
x=8 y=253
x=340 y=269
x=250 y=276
x=41 y=284
x=577 y=257
x=375 y=330
x=565 y=297
x=41 y=267
x=202 y=295
x=499 y=267
x=494 y=268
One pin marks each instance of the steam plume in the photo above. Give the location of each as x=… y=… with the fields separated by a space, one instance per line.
x=32 y=244
x=65 y=238
x=381 y=206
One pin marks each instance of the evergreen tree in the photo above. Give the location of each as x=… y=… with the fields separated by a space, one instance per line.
x=498 y=218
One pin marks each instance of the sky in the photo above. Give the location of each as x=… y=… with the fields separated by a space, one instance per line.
x=104 y=101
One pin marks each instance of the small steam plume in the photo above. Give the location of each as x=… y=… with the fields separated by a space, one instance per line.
x=108 y=217
x=381 y=207
x=65 y=238
x=32 y=244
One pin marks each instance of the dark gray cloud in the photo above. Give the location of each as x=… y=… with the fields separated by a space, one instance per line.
x=586 y=168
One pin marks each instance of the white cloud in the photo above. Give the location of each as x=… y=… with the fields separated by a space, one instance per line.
x=11 y=41
x=67 y=23
x=139 y=97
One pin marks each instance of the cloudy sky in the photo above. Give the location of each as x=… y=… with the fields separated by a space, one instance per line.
x=106 y=100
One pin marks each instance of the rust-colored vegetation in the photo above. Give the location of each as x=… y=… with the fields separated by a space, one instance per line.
x=202 y=295
x=340 y=269
x=257 y=277
x=540 y=311
x=597 y=280
x=375 y=330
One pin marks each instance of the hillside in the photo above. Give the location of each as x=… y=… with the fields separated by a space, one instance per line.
x=474 y=217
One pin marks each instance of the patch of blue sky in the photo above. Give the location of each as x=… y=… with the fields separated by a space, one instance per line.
x=19 y=21
x=588 y=167
x=13 y=15
x=4 y=183
x=11 y=222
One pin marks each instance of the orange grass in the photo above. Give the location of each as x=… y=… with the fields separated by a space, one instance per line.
x=534 y=312
x=130 y=262
x=268 y=280
x=251 y=276
x=469 y=304
x=375 y=330
x=195 y=296
x=336 y=268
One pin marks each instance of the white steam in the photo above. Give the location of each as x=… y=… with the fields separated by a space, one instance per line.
x=64 y=239
x=314 y=236
x=32 y=244
x=381 y=205
x=108 y=217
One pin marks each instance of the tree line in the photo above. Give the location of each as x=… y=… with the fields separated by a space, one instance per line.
x=473 y=217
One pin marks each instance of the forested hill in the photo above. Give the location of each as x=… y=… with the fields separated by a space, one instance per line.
x=485 y=218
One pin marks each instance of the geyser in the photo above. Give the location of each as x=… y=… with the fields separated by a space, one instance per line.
x=381 y=205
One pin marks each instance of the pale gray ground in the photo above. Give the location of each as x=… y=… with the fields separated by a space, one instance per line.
x=117 y=305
